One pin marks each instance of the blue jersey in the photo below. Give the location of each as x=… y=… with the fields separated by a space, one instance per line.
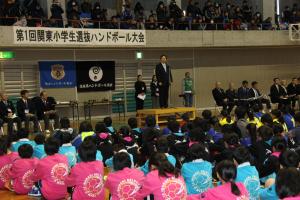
x=289 y=121
x=111 y=130
x=248 y=175
x=258 y=115
x=109 y=162
x=70 y=152
x=268 y=193
x=145 y=167
x=99 y=157
x=197 y=175
x=39 y=151
x=15 y=146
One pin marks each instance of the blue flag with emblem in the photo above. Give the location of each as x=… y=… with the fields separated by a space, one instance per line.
x=57 y=74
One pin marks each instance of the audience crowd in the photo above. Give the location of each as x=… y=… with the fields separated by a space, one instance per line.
x=251 y=154
x=213 y=16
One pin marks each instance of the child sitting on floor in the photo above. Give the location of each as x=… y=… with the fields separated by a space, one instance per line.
x=22 y=170
x=86 y=177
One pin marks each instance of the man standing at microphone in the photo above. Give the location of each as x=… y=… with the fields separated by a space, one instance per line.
x=164 y=78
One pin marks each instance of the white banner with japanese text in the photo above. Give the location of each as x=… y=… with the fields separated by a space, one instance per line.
x=72 y=36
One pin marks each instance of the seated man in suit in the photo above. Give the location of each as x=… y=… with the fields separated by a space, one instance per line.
x=243 y=95
x=256 y=96
x=26 y=111
x=286 y=98
x=45 y=107
x=7 y=113
x=292 y=91
x=220 y=97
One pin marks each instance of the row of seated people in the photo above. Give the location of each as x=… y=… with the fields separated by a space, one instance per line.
x=35 y=109
x=185 y=160
x=280 y=93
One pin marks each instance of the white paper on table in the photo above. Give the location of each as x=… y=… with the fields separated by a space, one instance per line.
x=141 y=96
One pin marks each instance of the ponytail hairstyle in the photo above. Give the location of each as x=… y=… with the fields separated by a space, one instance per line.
x=124 y=131
x=160 y=162
x=226 y=171
x=252 y=130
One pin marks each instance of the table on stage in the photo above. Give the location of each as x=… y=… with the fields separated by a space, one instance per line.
x=162 y=114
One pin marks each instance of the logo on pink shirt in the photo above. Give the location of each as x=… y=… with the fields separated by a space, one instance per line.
x=59 y=173
x=127 y=189
x=173 y=189
x=93 y=185
x=4 y=176
x=27 y=181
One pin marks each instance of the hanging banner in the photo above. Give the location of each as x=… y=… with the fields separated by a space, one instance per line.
x=57 y=74
x=72 y=36
x=95 y=76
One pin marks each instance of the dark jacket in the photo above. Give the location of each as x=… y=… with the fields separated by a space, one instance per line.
x=154 y=89
x=291 y=89
x=252 y=93
x=275 y=93
x=4 y=108
x=231 y=95
x=140 y=87
x=219 y=96
x=243 y=93
x=164 y=77
x=21 y=107
x=42 y=106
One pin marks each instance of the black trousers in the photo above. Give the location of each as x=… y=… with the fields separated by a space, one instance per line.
x=227 y=105
x=35 y=121
x=10 y=124
x=139 y=103
x=284 y=102
x=163 y=96
x=260 y=102
x=53 y=116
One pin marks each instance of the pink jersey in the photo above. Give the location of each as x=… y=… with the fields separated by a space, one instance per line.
x=222 y=192
x=21 y=173
x=5 y=166
x=87 y=180
x=163 y=188
x=124 y=184
x=292 y=198
x=52 y=171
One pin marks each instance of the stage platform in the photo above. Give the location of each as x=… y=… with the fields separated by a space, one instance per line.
x=162 y=114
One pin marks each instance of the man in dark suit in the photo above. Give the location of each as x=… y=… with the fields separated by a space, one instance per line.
x=243 y=94
x=278 y=94
x=164 y=78
x=220 y=97
x=256 y=96
x=7 y=113
x=292 y=91
x=45 y=107
x=275 y=91
x=26 y=111
x=285 y=97
x=231 y=95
